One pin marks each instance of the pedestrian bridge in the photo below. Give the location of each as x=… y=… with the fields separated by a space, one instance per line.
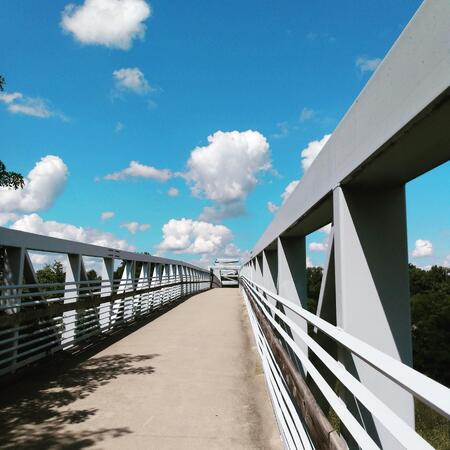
x=157 y=355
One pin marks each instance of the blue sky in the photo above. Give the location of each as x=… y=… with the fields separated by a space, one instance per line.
x=153 y=87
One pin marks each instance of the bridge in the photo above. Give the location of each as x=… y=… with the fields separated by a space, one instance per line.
x=157 y=355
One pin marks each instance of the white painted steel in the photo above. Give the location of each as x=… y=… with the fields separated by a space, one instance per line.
x=429 y=391
x=20 y=293
x=401 y=431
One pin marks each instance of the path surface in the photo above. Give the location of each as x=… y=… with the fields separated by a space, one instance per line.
x=189 y=379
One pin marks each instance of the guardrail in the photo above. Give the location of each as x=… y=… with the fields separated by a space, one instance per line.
x=260 y=300
x=38 y=319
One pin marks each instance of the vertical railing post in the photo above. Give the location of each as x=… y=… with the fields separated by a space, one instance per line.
x=71 y=292
x=372 y=292
x=13 y=267
x=107 y=288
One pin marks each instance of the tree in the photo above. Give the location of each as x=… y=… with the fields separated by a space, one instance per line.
x=9 y=179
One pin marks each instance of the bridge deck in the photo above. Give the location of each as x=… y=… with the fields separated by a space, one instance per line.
x=189 y=379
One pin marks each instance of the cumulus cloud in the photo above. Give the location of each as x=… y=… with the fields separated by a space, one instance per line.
x=365 y=64
x=222 y=211
x=106 y=215
x=17 y=103
x=226 y=170
x=446 y=262
x=33 y=223
x=138 y=170
x=42 y=185
x=272 y=207
x=310 y=153
x=131 y=79
x=173 y=192
x=321 y=246
x=5 y=218
x=422 y=248
x=318 y=246
x=113 y=23
x=306 y=114
x=193 y=236
x=289 y=190
x=134 y=227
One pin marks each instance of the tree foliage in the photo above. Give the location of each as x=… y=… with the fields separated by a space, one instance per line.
x=10 y=179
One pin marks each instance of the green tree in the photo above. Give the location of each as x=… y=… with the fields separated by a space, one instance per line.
x=9 y=179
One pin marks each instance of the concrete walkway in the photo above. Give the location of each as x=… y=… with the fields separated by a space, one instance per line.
x=190 y=379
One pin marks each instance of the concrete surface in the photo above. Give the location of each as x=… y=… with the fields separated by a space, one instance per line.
x=190 y=379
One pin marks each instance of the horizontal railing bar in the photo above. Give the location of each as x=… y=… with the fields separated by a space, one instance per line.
x=404 y=433
x=354 y=427
x=427 y=390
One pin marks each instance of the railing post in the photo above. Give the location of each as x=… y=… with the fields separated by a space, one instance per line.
x=70 y=318
x=372 y=292
x=292 y=282
x=13 y=274
x=107 y=287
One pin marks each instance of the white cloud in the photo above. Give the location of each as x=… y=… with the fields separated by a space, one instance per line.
x=42 y=185
x=136 y=169
x=225 y=170
x=365 y=64
x=106 y=215
x=131 y=79
x=173 y=192
x=272 y=207
x=423 y=248
x=9 y=98
x=33 y=223
x=318 y=246
x=17 y=103
x=192 y=236
x=119 y=127
x=222 y=211
x=5 y=218
x=113 y=23
x=134 y=227
x=289 y=190
x=309 y=262
x=306 y=114
x=310 y=153
x=446 y=262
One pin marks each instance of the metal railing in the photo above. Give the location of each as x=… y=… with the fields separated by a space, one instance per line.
x=425 y=389
x=38 y=319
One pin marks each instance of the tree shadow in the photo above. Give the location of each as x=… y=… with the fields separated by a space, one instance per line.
x=35 y=412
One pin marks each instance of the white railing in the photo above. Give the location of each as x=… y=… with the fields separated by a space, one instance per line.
x=427 y=390
x=38 y=319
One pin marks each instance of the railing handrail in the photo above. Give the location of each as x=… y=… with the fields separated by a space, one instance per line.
x=434 y=394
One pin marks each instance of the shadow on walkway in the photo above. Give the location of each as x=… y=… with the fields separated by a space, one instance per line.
x=35 y=403
x=35 y=413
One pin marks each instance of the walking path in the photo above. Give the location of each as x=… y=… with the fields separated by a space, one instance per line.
x=190 y=379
